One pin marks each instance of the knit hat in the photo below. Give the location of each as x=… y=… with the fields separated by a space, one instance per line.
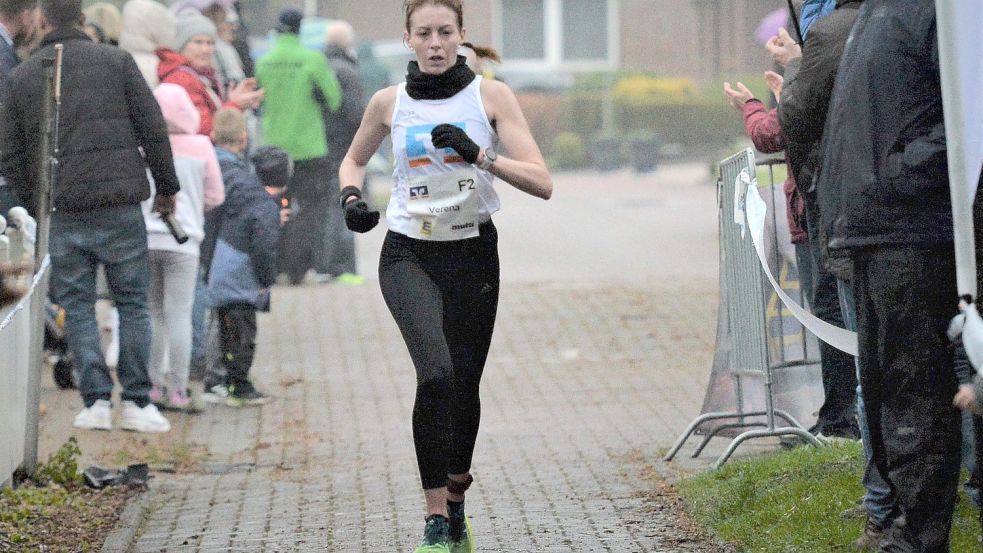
x=273 y=166
x=191 y=24
x=289 y=21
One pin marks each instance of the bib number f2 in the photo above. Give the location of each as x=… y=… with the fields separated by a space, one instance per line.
x=445 y=206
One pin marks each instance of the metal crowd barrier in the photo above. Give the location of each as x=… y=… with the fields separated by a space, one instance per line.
x=754 y=353
x=21 y=340
x=22 y=325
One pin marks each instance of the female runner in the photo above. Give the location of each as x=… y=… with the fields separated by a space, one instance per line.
x=439 y=270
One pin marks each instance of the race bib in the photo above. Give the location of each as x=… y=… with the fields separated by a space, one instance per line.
x=445 y=206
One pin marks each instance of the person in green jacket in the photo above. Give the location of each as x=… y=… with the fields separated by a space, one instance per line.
x=300 y=86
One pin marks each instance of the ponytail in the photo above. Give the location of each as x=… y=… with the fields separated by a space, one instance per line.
x=484 y=52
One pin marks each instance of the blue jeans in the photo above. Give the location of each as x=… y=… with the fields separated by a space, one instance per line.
x=199 y=312
x=116 y=238
x=970 y=457
x=878 y=500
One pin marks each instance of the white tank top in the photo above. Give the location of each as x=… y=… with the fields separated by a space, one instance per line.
x=417 y=161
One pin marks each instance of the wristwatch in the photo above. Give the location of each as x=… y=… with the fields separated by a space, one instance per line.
x=489 y=159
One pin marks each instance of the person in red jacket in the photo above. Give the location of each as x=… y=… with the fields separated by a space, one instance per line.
x=761 y=126
x=190 y=66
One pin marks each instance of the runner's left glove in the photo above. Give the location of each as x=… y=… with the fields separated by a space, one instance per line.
x=450 y=136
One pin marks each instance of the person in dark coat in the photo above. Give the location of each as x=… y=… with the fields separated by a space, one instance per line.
x=337 y=258
x=818 y=61
x=18 y=18
x=883 y=191
x=808 y=87
x=111 y=130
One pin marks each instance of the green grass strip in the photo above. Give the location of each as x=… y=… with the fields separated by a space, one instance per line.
x=791 y=502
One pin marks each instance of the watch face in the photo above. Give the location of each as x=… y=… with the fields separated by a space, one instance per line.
x=491 y=154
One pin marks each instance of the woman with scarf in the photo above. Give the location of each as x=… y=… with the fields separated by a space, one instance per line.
x=439 y=269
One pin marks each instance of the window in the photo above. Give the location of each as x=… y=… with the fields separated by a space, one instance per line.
x=568 y=34
x=524 y=22
x=585 y=26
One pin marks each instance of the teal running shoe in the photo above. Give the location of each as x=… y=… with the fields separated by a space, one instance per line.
x=435 y=535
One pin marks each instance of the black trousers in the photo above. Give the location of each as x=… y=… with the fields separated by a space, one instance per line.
x=905 y=299
x=303 y=236
x=444 y=298
x=237 y=328
x=839 y=370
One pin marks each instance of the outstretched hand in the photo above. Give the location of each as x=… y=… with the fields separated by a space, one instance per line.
x=783 y=48
x=454 y=137
x=775 y=82
x=739 y=96
x=246 y=94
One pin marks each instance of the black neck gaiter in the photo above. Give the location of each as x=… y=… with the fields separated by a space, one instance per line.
x=423 y=86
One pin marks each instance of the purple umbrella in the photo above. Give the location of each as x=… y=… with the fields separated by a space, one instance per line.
x=770 y=24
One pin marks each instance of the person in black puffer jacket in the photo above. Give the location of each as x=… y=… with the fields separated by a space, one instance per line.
x=883 y=190
x=111 y=130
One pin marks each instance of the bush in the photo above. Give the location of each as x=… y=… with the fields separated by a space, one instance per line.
x=643 y=89
x=694 y=125
x=676 y=109
x=643 y=151
x=569 y=151
x=606 y=151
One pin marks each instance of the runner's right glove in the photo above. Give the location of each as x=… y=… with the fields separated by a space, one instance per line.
x=358 y=218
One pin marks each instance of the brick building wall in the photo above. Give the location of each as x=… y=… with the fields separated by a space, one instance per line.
x=700 y=38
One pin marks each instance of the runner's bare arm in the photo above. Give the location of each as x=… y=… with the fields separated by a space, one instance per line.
x=373 y=130
x=525 y=168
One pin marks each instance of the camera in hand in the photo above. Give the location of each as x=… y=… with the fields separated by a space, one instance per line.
x=175 y=228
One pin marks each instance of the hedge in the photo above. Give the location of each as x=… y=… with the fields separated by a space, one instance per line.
x=698 y=126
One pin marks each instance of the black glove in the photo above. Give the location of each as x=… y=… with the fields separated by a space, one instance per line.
x=449 y=136
x=358 y=218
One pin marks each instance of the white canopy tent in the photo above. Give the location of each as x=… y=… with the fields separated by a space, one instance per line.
x=960 y=25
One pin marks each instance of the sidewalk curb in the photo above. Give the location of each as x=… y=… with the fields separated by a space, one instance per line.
x=121 y=537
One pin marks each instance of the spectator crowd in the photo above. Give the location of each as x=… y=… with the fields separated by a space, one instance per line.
x=190 y=180
x=857 y=110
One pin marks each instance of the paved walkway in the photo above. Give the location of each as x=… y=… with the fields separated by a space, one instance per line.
x=601 y=354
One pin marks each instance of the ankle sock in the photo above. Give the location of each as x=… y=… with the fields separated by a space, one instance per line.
x=455 y=512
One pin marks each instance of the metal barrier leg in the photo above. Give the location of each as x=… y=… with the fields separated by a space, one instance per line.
x=785 y=431
x=697 y=422
x=715 y=431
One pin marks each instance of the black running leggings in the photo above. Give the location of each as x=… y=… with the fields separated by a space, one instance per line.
x=444 y=296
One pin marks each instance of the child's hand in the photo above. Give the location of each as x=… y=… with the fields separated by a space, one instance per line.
x=966 y=399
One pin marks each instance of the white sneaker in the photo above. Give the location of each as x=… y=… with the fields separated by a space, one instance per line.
x=97 y=417
x=216 y=394
x=147 y=419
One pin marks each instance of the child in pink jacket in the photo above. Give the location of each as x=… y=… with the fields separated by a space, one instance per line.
x=173 y=266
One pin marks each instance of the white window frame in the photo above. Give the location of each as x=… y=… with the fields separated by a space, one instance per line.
x=553 y=39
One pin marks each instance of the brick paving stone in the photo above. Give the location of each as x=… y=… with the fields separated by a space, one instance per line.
x=578 y=382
